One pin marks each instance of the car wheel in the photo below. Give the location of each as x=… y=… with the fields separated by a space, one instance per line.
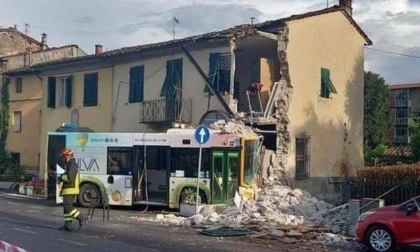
x=88 y=192
x=380 y=239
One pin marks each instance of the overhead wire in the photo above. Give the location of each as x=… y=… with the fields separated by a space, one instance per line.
x=394 y=53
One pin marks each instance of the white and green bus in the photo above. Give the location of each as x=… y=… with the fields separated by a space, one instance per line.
x=157 y=168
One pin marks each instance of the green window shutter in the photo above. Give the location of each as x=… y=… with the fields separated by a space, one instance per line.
x=51 y=92
x=327 y=87
x=173 y=79
x=69 y=91
x=136 y=84
x=90 y=89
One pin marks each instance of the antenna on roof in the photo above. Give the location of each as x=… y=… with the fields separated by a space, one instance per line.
x=175 y=21
x=26 y=28
x=252 y=20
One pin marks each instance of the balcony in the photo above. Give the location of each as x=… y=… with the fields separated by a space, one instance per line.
x=166 y=111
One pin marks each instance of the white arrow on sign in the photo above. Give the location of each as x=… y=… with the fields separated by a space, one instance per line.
x=202 y=133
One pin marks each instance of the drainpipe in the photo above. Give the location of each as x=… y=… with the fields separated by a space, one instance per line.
x=208 y=83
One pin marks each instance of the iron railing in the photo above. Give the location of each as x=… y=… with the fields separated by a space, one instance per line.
x=393 y=193
x=166 y=111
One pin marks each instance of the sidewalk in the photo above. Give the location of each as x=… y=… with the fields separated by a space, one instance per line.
x=7 y=247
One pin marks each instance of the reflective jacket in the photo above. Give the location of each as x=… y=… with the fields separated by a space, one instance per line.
x=70 y=178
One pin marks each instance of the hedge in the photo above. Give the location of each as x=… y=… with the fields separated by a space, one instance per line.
x=394 y=173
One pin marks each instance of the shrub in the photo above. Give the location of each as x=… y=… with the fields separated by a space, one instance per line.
x=391 y=173
x=16 y=173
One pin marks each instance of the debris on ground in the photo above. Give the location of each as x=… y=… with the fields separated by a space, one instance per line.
x=291 y=216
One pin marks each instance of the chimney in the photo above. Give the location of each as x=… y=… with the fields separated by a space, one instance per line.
x=44 y=41
x=98 y=49
x=346 y=4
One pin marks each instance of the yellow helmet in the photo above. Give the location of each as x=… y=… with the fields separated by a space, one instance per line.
x=66 y=153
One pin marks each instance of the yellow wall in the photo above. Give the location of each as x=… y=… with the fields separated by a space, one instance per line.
x=28 y=102
x=97 y=117
x=127 y=114
x=335 y=124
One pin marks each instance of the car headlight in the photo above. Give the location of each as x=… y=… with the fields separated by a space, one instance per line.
x=363 y=216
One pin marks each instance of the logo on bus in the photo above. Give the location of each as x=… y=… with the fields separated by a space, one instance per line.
x=88 y=164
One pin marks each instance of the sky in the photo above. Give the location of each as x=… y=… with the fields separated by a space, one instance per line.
x=392 y=25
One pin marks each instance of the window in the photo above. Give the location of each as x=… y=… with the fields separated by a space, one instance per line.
x=219 y=72
x=186 y=159
x=173 y=79
x=19 y=85
x=401 y=115
x=401 y=133
x=302 y=155
x=136 y=84
x=90 y=91
x=401 y=98
x=17 y=121
x=63 y=92
x=15 y=158
x=119 y=160
x=327 y=86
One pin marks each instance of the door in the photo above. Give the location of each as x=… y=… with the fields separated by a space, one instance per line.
x=54 y=166
x=224 y=175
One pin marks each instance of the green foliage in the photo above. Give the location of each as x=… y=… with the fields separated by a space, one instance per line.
x=377 y=152
x=414 y=129
x=393 y=173
x=377 y=114
x=16 y=173
x=4 y=124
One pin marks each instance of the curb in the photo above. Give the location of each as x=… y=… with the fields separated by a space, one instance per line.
x=7 y=247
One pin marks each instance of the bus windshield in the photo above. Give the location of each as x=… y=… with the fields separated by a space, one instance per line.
x=252 y=160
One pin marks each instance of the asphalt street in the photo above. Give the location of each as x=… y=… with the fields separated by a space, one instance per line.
x=32 y=224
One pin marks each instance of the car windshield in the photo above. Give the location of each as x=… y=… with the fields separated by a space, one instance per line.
x=416 y=202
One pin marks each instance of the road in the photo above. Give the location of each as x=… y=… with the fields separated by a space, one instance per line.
x=32 y=224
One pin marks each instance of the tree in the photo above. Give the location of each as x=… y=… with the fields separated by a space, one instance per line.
x=377 y=113
x=414 y=129
x=4 y=124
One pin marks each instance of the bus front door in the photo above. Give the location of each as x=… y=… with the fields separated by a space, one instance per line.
x=224 y=175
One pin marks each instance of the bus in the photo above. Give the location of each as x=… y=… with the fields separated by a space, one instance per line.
x=158 y=168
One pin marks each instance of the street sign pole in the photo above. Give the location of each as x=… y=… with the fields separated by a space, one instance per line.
x=198 y=180
x=202 y=135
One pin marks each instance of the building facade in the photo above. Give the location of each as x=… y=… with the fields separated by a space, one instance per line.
x=297 y=80
x=404 y=103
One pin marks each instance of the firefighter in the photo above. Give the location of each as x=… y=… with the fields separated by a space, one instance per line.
x=70 y=188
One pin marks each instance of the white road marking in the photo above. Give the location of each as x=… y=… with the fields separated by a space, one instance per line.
x=72 y=242
x=25 y=230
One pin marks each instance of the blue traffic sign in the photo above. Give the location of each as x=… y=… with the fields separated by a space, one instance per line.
x=202 y=134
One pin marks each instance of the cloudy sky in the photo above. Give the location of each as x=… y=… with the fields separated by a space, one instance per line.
x=392 y=25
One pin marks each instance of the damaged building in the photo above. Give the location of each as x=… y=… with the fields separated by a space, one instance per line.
x=297 y=80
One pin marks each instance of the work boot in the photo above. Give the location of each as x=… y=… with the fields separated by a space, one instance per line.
x=67 y=227
x=82 y=222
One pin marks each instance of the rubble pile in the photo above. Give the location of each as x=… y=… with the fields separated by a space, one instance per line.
x=232 y=127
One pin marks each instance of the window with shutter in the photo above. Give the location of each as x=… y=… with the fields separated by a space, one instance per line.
x=327 y=86
x=19 y=85
x=173 y=79
x=219 y=72
x=136 y=84
x=51 y=92
x=90 y=95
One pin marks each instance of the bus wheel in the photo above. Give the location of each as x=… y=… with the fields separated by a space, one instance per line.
x=87 y=193
x=188 y=196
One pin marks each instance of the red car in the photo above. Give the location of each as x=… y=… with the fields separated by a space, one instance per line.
x=388 y=228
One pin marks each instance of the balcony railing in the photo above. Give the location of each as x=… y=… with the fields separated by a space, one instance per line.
x=166 y=111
